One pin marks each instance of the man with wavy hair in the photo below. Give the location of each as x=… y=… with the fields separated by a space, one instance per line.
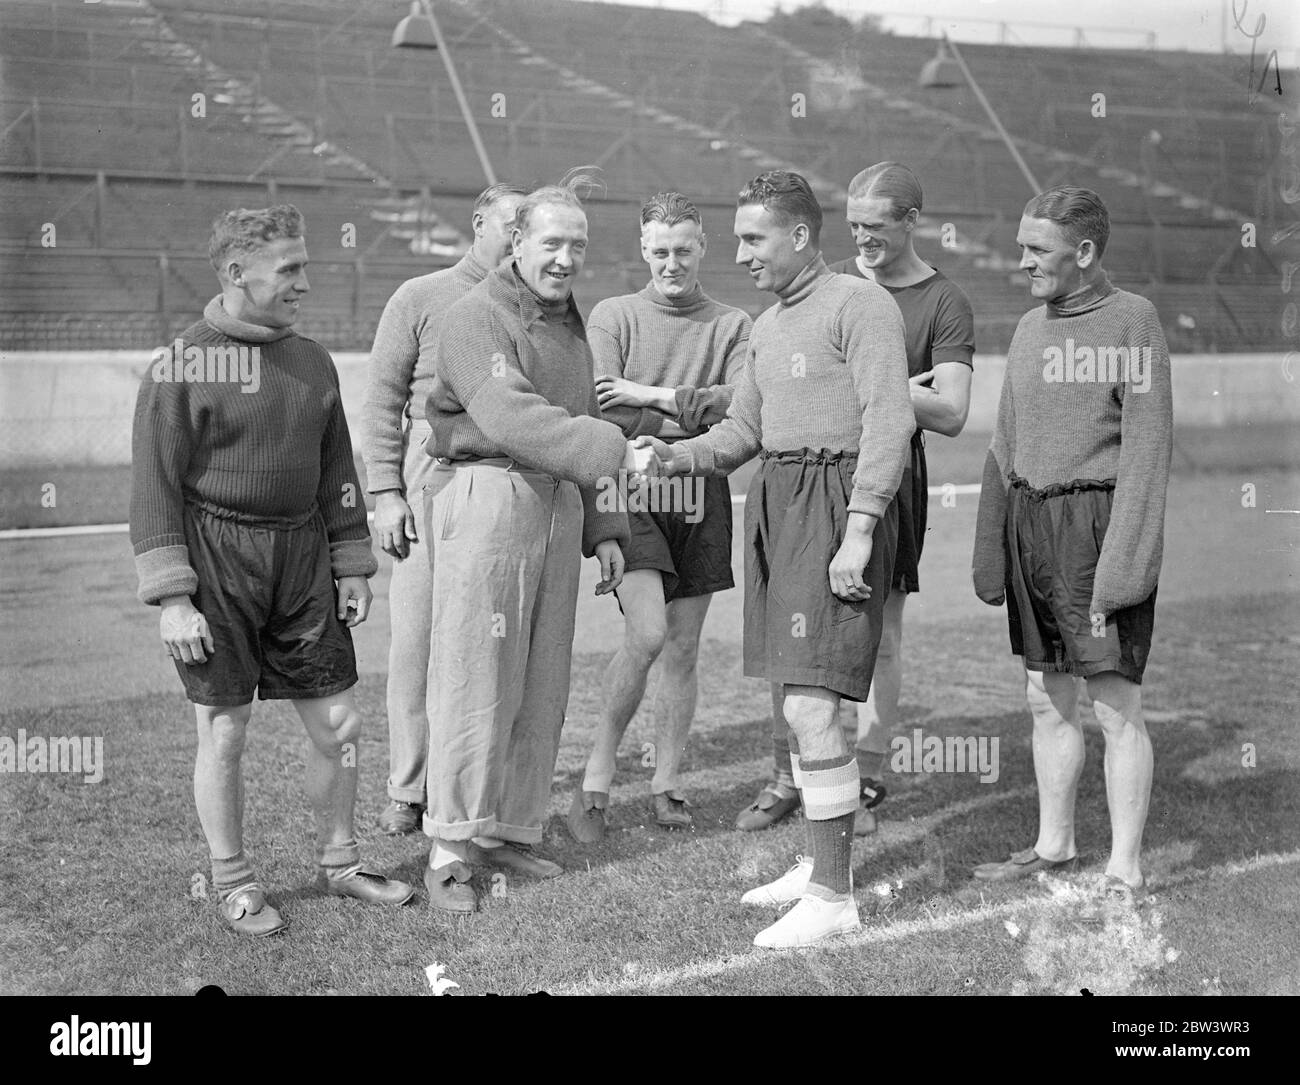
x=510 y=509
x=251 y=536
x=1070 y=529
x=823 y=399
x=666 y=358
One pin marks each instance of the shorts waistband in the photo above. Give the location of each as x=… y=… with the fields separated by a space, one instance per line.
x=1060 y=489
x=280 y=523
x=808 y=455
x=503 y=462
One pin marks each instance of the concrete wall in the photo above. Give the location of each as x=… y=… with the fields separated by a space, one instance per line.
x=73 y=408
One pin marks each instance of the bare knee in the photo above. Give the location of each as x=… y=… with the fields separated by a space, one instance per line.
x=645 y=637
x=222 y=731
x=1052 y=698
x=337 y=727
x=1117 y=704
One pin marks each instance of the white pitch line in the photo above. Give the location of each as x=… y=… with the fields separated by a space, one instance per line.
x=12 y=533
x=870 y=936
x=16 y=533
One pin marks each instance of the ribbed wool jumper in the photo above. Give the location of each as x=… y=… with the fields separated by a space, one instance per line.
x=1087 y=397
x=274 y=452
x=513 y=380
x=692 y=344
x=826 y=369
x=400 y=372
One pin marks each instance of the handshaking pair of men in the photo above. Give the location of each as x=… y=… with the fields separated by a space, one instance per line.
x=648 y=457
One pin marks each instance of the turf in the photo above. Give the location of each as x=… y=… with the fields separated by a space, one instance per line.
x=105 y=884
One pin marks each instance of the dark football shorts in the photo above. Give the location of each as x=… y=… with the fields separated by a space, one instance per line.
x=1054 y=539
x=267 y=592
x=796 y=631
x=694 y=557
x=913 y=506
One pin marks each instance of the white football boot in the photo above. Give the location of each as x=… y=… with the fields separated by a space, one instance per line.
x=787 y=888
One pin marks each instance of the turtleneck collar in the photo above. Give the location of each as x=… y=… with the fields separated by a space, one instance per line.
x=216 y=315
x=1087 y=297
x=692 y=300
x=474 y=266
x=805 y=282
x=531 y=307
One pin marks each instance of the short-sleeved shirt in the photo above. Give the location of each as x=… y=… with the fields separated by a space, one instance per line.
x=937 y=315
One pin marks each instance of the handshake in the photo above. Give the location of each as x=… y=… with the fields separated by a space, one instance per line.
x=648 y=457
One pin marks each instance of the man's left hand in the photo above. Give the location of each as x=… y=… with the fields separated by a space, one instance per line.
x=611 y=566
x=847 y=568
x=619 y=392
x=354 y=599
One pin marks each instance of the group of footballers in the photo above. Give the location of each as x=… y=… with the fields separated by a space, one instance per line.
x=497 y=418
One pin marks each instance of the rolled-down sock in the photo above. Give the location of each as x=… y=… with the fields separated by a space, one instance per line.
x=339 y=860
x=231 y=874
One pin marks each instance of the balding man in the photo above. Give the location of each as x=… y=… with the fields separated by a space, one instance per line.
x=394 y=431
x=510 y=509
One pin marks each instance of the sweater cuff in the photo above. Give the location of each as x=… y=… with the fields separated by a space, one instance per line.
x=862 y=500
x=163 y=572
x=649 y=424
x=383 y=476
x=353 y=557
x=989 y=560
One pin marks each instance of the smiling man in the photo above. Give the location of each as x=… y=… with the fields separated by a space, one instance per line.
x=1070 y=530
x=394 y=431
x=823 y=399
x=249 y=531
x=666 y=358
x=509 y=511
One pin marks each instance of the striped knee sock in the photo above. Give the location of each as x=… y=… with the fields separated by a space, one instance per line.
x=830 y=799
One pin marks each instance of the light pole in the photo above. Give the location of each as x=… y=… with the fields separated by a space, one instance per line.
x=421 y=31
x=939 y=73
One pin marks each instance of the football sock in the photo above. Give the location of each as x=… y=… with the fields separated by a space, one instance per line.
x=830 y=796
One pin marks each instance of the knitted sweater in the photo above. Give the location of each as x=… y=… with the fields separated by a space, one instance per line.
x=693 y=344
x=400 y=373
x=513 y=378
x=826 y=369
x=1086 y=396
x=274 y=446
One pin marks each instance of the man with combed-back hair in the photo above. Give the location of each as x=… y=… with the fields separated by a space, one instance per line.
x=823 y=399
x=510 y=509
x=249 y=531
x=1070 y=530
x=394 y=431
x=666 y=358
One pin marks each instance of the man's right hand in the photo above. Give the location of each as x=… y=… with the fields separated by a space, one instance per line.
x=664 y=462
x=184 y=631
x=395 y=524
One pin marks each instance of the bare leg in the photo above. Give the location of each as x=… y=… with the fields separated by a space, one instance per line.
x=1129 y=762
x=645 y=629
x=219 y=776
x=677 y=688
x=1058 y=759
x=334 y=727
x=878 y=714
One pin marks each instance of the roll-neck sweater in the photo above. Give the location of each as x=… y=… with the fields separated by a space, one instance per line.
x=399 y=375
x=692 y=344
x=272 y=453
x=513 y=377
x=1086 y=396
x=826 y=369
